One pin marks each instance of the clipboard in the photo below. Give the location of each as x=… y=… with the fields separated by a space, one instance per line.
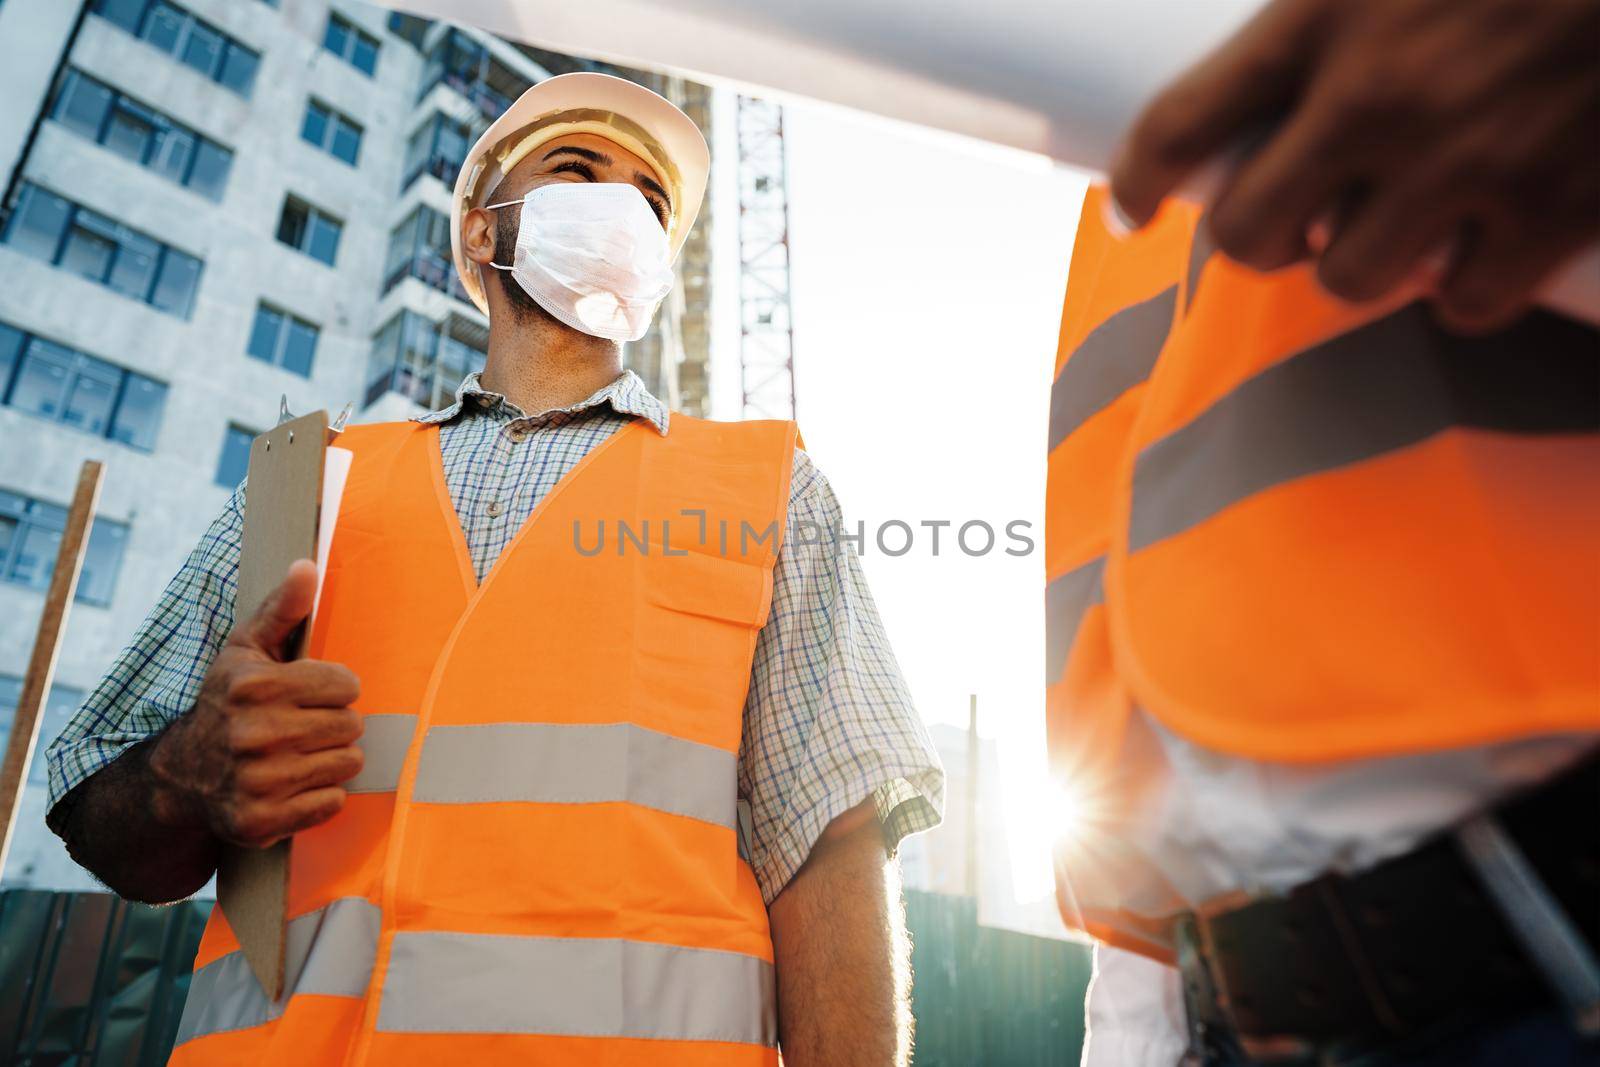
x=283 y=501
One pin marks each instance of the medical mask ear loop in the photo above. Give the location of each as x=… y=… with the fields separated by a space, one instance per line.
x=505 y=203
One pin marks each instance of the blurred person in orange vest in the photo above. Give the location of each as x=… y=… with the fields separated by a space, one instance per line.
x=1323 y=550
x=561 y=794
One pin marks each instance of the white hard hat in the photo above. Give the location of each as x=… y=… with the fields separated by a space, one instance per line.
x=623 y=112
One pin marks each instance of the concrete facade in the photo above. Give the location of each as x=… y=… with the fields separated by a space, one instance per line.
x=167 y=495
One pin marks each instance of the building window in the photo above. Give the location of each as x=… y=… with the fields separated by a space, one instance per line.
x=64 y=385
x=422 y=360
x=311 y=231
x=12 y=341
x=333 y=132
x=64 y=700
x=409 y=28
x=438 y=147
x=192 y=41
x=283 y=340
x=30 y=534
x=142 y=134
x=351 y=43
x=234 y=462
x=87 y=243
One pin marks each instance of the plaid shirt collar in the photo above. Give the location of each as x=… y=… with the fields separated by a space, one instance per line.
x=627 y=395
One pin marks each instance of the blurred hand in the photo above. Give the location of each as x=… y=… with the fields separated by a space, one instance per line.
x=269 y=744
x=1456 y=140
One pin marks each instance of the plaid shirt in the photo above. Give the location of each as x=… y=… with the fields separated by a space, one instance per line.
x=827 y=723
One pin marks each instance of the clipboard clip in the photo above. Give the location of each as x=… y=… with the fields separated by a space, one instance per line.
x=334 y=428
x=344 y=416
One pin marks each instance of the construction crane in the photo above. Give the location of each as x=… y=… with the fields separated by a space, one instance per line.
x=766 y=344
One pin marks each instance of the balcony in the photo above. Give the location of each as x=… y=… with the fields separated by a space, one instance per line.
x=420 y=248
x=437 y=147
x=424 y=361
x=470 y=69
x=430 y=268
x=442 y=167
x=480 y=94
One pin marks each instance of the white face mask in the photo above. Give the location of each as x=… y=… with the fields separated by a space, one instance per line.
x=594 y=255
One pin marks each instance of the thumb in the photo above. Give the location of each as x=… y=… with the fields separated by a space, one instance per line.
x=284 y=609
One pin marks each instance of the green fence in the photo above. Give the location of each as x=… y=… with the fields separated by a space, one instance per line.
x=89 y=980
x=991 y=998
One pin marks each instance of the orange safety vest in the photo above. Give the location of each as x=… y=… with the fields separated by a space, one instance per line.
x=538 y=862
x=1293 y=529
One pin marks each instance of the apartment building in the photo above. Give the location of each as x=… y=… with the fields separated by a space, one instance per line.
x=223 y=203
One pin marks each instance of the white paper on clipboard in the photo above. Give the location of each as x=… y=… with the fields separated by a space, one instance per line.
x=335 y=472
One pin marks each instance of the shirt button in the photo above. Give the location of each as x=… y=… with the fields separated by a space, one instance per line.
x=517 y=434
x=493 y=509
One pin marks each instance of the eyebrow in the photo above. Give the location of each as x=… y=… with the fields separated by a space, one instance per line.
x=582 y=153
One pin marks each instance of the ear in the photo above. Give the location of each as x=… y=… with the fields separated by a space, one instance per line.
x=477 y=235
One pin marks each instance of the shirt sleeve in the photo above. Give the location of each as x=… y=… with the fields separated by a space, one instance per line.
x=157 y=676
x=828 y=721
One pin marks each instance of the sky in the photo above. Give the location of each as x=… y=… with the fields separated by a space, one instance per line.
x=927 y=275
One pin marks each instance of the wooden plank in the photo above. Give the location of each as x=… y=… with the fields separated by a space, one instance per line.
x=46 y=647
x=282 y=499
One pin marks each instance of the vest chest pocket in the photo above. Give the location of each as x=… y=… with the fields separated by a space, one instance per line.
x=699 y=584
x=695 y=638
x=710 y=550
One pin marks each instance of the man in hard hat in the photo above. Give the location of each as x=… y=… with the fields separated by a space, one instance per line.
x=587 y=762
x=1324 y=577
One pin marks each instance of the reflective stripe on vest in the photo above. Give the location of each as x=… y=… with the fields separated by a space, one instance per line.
x=550 y=779
x=591 y=987
x=384 y=741
x=328 y=952
x=1065 y=601
x=571 y=764
x=1380 y=387
x=1113 y=359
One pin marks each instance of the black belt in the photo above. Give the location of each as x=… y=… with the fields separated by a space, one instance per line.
x=1415 y=943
